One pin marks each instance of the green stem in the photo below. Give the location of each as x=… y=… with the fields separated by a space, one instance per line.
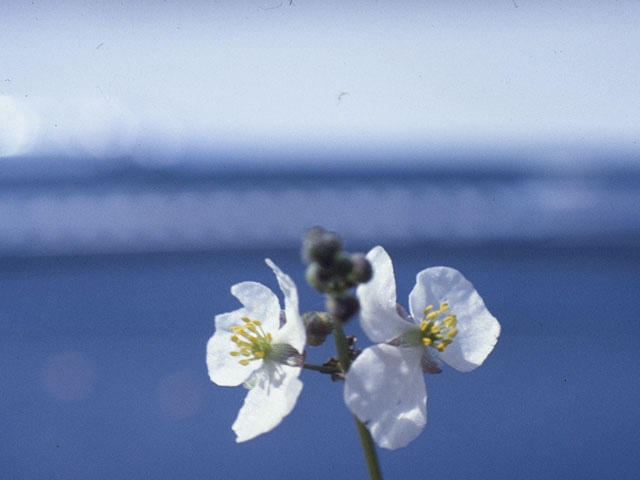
x=368 y=447
x=320 y=368
x=341 y=346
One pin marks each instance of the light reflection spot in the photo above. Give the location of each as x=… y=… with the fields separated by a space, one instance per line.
x=68 y=377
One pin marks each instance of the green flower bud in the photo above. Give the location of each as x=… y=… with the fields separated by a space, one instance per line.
x=319 y=325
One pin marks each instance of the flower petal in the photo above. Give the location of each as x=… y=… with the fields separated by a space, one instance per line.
x=271 y=399
x=293 y=332
x=478 y=330
x=378 y=315
x=385 y=389
x=260 y=302
x=223 y=368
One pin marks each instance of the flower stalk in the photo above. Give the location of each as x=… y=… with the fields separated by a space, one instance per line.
x=368 y=447
x=320 y=368
x=333 y=272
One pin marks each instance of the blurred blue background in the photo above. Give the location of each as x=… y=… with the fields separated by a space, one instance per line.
x=153 y=154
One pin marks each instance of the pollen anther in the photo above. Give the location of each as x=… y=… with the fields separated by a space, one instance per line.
x=255 y=345
x=435 y=331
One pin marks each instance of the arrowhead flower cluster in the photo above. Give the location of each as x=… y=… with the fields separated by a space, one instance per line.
x=447 y=322
x=262 y=345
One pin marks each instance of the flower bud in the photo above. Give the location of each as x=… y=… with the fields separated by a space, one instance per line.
x=343 y=306
x=342 y=267
x=320 y=246
x=319 y=325
x=318 y=277
x=362 y=271
x=309 y=241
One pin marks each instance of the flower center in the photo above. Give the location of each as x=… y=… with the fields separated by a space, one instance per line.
x=437 y=328
x=251 y=340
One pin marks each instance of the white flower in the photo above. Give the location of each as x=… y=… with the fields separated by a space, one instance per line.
x=251 y=346
x=385 y=385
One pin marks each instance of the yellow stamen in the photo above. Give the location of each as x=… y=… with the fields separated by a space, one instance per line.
x=250 y=340
x=450 y=321
x=246 y=335
x=436 y=329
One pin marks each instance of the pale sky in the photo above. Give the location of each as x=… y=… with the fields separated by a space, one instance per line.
x=164 y=79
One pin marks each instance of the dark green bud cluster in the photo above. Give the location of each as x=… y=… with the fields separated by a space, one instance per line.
x=332 y=270
x=318 y=325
